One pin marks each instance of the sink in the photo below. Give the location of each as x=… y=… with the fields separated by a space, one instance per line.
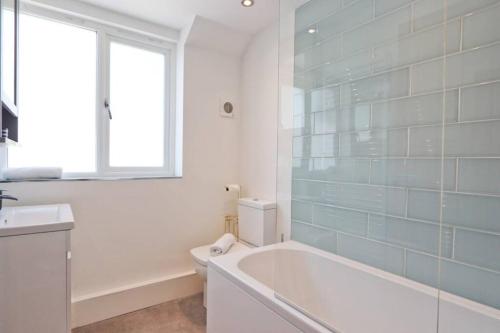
x=22 y=220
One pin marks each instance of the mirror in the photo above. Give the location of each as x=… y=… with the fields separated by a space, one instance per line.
x=9 y=47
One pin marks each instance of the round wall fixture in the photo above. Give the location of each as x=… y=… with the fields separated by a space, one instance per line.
x=228 y=108
x=247 y=3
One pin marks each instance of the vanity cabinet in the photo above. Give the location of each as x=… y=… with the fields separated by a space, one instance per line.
x=35 y=284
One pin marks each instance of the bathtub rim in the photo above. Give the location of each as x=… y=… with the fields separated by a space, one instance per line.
x=229 y=266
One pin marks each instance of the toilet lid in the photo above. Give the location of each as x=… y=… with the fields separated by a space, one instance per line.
x=202 y=254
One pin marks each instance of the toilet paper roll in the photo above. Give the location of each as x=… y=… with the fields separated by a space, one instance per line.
x=233 y=188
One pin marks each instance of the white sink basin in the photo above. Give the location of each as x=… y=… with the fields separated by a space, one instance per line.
x=34 y=219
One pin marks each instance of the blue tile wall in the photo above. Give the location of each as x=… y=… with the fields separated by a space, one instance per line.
x=373 y=179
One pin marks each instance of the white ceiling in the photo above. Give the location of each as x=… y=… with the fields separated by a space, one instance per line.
x=179 y=13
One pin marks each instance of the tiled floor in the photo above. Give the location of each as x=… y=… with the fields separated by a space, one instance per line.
x=180 y=316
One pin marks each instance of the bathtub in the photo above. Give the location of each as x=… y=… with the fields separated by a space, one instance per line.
x=291 y=287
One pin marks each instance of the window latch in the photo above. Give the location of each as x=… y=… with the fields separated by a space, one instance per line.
x=106 y=105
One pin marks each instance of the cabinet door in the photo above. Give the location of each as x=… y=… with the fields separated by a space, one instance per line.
x=33 y=290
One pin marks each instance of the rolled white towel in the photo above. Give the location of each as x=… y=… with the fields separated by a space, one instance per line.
x=222 y=245
x=32 y=173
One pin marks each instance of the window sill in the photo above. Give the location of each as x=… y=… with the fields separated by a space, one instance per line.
x=83 y=179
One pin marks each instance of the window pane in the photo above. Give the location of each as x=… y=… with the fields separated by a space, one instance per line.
x=137 y=99
x=57 y=96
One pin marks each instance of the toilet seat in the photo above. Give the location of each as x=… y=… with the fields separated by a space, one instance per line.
x=202 y=254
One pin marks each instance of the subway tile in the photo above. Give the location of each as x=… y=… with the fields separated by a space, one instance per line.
x=326 y=122
x=317 y=237
x=477 y=248
x=416 y=173
x=324 y=99
x=429 y=12
x=324 y=145
x=473 y=283
x=385 y=28
x=302 y=168
x=472 y=211
x=376 y=199
x=481 y=102
x=473 y=139
x=425 y=141
x=338 y=71
x=473 y=67
x=418 y=47
x=301 y=82
x=301 y=146
x=465 y=140
x=347 y=18
x=384 y=6
x=461 y=210
x=427 y=77
x=374 y=143
x=302 y=211
x=315 y=146
x=476 y=66
x=304 y=40
x=386 y=257
x=356 y=117
x=302 y=124
x=299 y=102
x=339 y=219
x=424 y=205
x=479 y=175
x=482 y=28
x=314 y=11
x=328 y=50
x=422 y=268
x=383 y=86
x=411 y=234
x=412 y=111
x=332 y=169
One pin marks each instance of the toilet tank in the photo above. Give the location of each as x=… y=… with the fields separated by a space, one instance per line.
x=257 y=221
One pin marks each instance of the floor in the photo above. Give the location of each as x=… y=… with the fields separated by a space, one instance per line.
x=185 y=315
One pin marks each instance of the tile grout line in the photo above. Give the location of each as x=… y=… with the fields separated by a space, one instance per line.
x=462 y=34
x=453 y=240
x=459 y=111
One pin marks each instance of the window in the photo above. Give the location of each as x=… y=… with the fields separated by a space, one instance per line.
x=94 y=102
x=130 y=68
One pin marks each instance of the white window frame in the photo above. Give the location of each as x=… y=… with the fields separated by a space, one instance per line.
x=106 y=34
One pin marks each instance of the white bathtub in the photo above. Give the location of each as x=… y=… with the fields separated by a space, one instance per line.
x=291 y=287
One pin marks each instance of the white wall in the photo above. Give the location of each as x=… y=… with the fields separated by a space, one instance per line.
x=137 y=233
x=131 y=232
x=258 y=131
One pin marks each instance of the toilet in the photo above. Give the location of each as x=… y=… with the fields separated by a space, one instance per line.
x=257 y=227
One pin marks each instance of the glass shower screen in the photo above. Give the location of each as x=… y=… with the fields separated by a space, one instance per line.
x=389 y=148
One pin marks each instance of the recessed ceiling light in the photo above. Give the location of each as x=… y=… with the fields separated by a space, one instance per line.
x=247 y=3
x=312 y=30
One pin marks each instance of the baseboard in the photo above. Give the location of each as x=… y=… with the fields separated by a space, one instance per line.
x=111 y=303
